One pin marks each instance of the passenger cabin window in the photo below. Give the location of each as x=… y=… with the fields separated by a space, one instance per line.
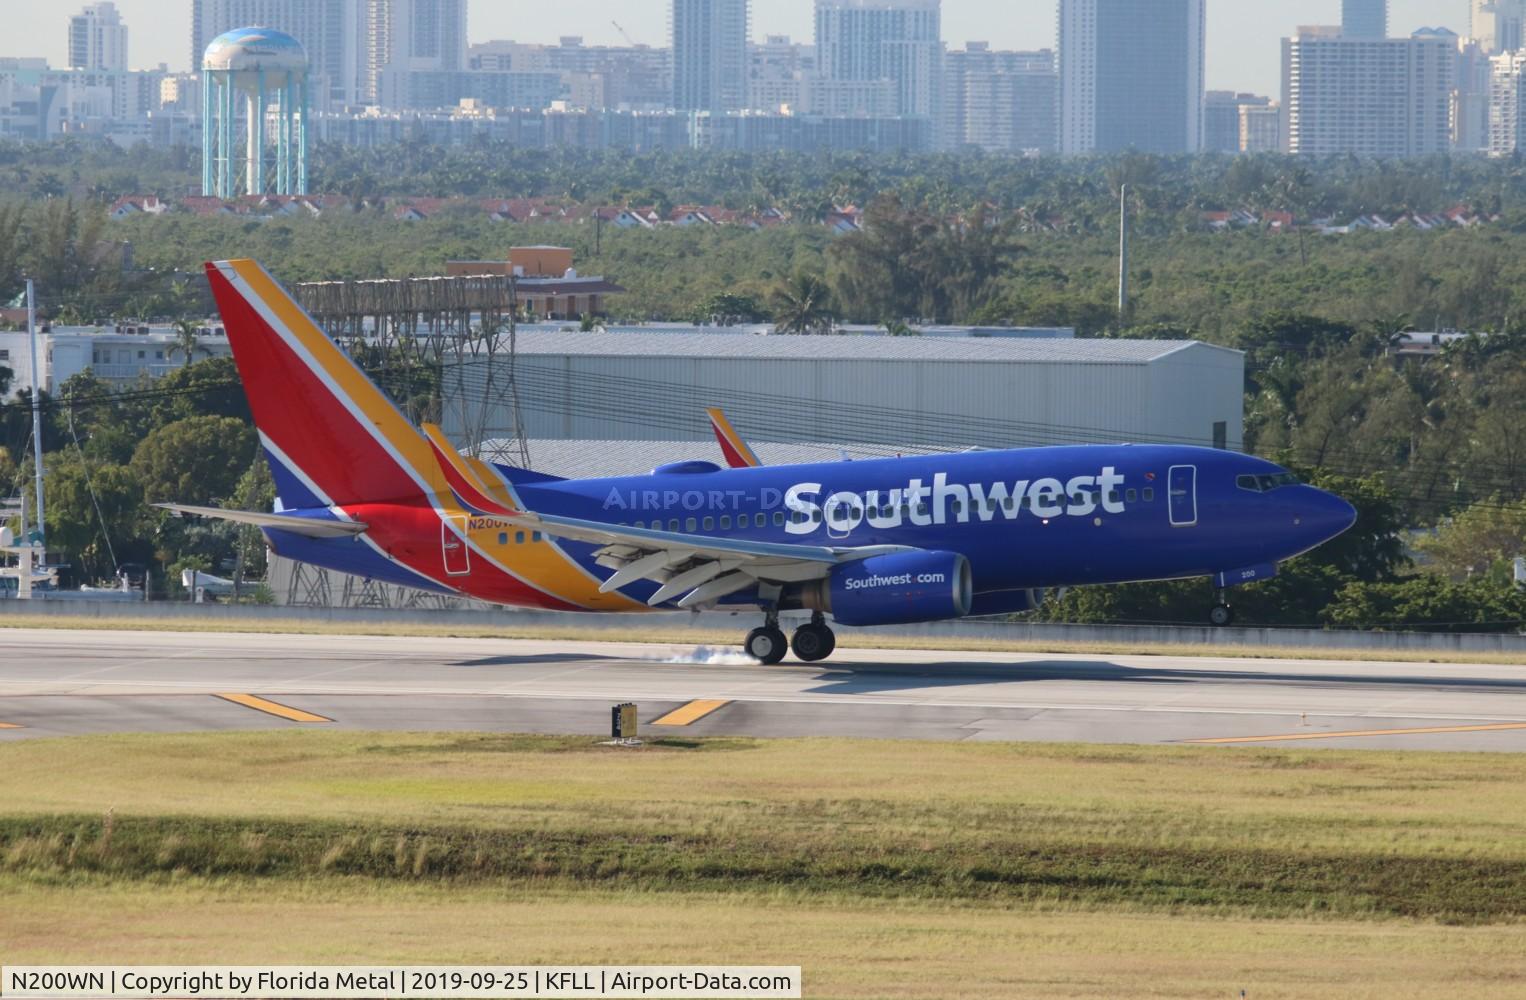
x=778 y=518
x=519 y=538
x=725 y=522
x=503 y=538
x=760 y=520
x=709 y=524
x=1149 y=494
x=1131 y=496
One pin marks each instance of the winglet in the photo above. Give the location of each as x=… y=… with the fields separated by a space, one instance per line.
x=738 y=454
x=466 y=482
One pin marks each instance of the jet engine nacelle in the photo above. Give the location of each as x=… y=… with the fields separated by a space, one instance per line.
x=896 y=589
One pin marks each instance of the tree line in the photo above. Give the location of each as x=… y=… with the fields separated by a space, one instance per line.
x=1435 y=447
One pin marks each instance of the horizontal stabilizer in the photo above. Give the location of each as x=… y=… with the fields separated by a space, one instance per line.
x=310 y=527
x=465 y=477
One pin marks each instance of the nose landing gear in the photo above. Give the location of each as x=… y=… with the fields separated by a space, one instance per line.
x=1221 y=615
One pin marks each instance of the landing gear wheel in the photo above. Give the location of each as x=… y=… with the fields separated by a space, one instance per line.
x=812 y=642
x=766 y=644
x=1221 y=615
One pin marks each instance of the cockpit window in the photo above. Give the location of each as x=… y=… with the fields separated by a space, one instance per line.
x=1266 y=483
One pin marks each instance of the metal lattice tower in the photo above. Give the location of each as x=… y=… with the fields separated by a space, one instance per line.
x=400 y=329
x=462 y=325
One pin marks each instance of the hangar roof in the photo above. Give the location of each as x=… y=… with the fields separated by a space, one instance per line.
x=582 y=459
x=851 y=348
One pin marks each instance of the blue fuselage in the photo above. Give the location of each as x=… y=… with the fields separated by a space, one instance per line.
x=1028 y=518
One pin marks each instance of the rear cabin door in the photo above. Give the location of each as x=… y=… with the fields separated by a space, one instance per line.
x=458 y=560
x=1181 y=495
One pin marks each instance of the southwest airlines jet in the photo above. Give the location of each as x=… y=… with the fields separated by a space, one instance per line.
x=892 y=541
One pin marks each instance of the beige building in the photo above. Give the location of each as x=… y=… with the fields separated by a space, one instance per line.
x=1368 y=96
x=1261 y=128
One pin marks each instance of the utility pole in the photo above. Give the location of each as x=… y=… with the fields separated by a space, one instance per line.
x=31 y=322
x=1123 y=253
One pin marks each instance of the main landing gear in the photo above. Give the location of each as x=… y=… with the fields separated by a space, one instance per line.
x=811 y=642
x=766 y=642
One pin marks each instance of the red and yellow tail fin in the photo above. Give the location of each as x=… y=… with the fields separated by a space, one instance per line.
x=332 y=436
x=738 y=454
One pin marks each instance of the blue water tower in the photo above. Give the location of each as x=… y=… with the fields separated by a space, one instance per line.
x=266 y=72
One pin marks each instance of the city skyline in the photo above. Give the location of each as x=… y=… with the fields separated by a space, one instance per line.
x=1243 y=52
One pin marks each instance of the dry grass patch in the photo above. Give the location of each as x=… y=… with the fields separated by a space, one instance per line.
x=1243 y=830
x=860 y=950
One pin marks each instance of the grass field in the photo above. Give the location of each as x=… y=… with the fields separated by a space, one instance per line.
x=893 y=869
x=667 y=635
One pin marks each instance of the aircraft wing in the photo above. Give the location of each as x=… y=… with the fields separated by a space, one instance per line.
x=697 y=569
x=739 y=455
x=311 y=527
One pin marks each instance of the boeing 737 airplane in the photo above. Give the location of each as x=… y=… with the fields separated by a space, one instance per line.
x=879 y=542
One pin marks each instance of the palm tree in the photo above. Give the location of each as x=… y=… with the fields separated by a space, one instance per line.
x=803 y=304
x=187 y=341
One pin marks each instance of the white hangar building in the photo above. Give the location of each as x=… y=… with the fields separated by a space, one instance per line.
x=913 y=392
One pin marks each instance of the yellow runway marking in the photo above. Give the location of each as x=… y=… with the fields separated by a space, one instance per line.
x=271 y=708
x=1365 y=732
x=692 y=712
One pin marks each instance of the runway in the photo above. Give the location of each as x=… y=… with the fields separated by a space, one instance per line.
x=61 y=682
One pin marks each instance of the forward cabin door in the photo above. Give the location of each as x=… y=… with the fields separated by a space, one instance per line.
x=1181 y=495
x=458 y=560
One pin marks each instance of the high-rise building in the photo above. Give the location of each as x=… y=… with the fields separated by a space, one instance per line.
x=1470 y=98
x=710 y=55
x=999 y=101
x=778 y=72
x=1364 y=18
x=1261 y=128
x=1131 y=75
x=329 y=30
x=407 y=36
x=1497 y=24
x=637 y=78
x=1222 y=118
x=98 y=39
x=895 y=40
x=1368 y=96
x=1507 y=108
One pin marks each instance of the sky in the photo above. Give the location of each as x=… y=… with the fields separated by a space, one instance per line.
x=1243 y=52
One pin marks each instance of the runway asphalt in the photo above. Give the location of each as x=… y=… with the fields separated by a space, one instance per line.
x=61 y=682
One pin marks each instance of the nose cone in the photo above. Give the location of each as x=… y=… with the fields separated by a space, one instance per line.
x=1324 y=515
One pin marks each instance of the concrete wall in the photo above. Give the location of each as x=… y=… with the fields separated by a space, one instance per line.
x=1116 y=635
